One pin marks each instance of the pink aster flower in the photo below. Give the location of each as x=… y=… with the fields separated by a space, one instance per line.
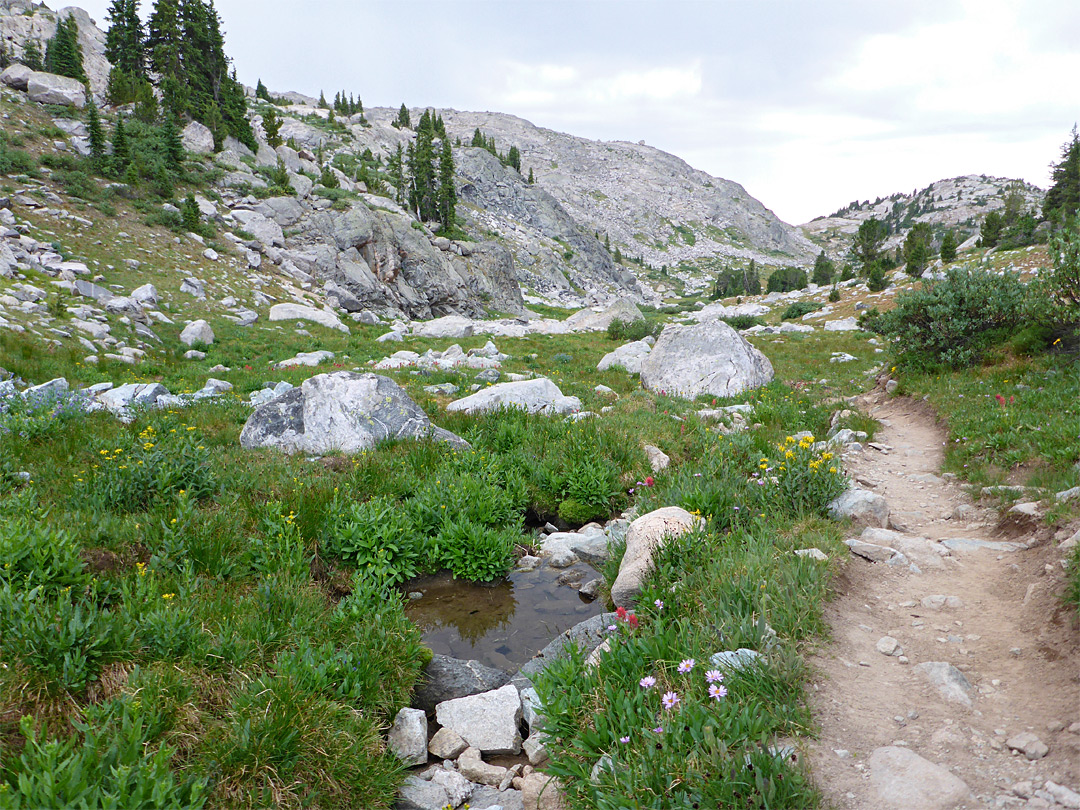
x=624 y=739
x=670 y=700
x=647 y=682
x=714 y=676
x=659 y=604
x=717 y=691
x=686 y=665
x=658 y=730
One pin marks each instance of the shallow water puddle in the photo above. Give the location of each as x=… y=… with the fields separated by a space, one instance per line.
x=502 y=625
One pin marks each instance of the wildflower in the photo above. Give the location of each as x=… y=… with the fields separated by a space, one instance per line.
x=717 y=691
x=621 y=614
x=632 y=620
x=686 y=665
x=141 y=568
x=649 y=481
x=658 y=730
x=670 y=700
x=714 y=676
x=647 y=682
x=611 y=628
x=624 y=739
x=659 y=604
x=167 y=596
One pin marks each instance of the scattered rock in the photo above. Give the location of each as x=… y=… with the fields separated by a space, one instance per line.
x=887 y=645
x=709 y=358
x=736 y=660
x=645 y=535
x=309 y=359
x=488 y=721
x=298 y=312
x=408 y=738
x=48 y=88
x=941 y=602
x=542 y=792
x=447 y=744
x=473 y=768
x=533 y=396
x=197 y=332
x=1028 y=744
x=629 y=356
x=948 y=680
x=905 y=781
x=658 y=459
x=446 y=678
x=861 y=506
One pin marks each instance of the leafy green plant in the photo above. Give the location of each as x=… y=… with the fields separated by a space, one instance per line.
x=476 y=552
x=36 y=417
x=952 y=322
x=740 y=322
x=800 y=308
x=377 y=536
x=637 y=329
x=36 y=555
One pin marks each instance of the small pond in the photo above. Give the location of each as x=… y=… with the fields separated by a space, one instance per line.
x=502 y=625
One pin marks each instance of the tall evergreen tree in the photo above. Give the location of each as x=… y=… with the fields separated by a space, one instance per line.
x=95 y=132
x=121 y=149
x=513 y=158
x=395 y=168
x=447 y=196
x=948 y=247
x=403 y=121
x=823 y=270
x=532 y=179
x=63 y=56
x=478 y=139
x=918 y=249
x=261 y=91
x=125 y=41
x=173 y=146
x=423 y=199
x=272 y=127
x=1063 y=199
x=868 y=241
x=31 y=55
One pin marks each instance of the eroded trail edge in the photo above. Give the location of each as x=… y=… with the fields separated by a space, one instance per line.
x=952 y=679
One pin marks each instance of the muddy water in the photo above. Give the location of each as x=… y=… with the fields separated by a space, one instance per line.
x=502 y=625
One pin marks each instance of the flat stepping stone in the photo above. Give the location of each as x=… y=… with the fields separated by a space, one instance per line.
x=968 y=544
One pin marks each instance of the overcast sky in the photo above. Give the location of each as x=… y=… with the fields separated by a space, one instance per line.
x=809 y=105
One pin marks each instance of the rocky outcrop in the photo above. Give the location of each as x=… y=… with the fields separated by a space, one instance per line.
x=532 y=396
x=710 y=358
x=343 y=411
x=554 y=254
x=48 y=88
x=22 y=22
x=644 y=536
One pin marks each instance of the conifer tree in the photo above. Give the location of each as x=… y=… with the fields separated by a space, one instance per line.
x=478 y=139
x=395 y=169
x=189 y=210
x=513 y=158
x=95 y=132
x=1063 y=198
x=5 y=56
x=440 y=128
x=447 y=195
x=272 y=126
x=423 y=196
x=823 y=270
x=618 y=255
x=125 y=41
x=403 y=121
x=948 y=247
x=121 y=150
x=532 y=179
x=31 y=56
x=262 y=92
x=173 y=145
x=63 y=56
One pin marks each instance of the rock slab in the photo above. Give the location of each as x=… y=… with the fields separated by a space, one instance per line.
x=532 y=396
x=905 y=781
x=340 y=412
x=488 y=722
x=446 y=678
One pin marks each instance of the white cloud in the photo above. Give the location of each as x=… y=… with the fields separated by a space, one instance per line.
x=540 y=87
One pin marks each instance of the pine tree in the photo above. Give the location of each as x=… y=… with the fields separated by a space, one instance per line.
x=5 y=56
x=173 y=146
x=403 y=121
x=532 y=179
x=189 y=210
x=163 y=38
x=121 y=150
x=31 y=56
x=440 y=128
x=1063 y=199
x=478 y=139
x=868 y=240
x=395 y=169
x=823 y=270
x=618 y=255
x=513 y=158
x=322 y=101
x=272 y=126
x=125 y=41
x=262 y=92
x=447 y=195
x=948 y=247
x=423 y=196
x=95 y=132
x=63 y=56
x=918 y=249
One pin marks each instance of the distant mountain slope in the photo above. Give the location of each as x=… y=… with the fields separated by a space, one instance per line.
x=959 y=202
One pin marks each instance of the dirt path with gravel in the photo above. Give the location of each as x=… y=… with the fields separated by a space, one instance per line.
x=990 y=612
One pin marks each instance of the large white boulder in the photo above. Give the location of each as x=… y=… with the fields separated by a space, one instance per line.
x=709 y=358
x=862 y=506
x=16 y=76
x=597 y=320
x=629 y=356
x=197 y=332
x=264 y=229
x=198 y=138
x=488 y=722
x=904 y=780
x=343 y=411
x=644 y=536
x=298 y=312
x=533 y=396
x=451 y=326
x=48 y=88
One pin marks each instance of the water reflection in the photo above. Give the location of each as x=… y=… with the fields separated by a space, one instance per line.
x=503 y=625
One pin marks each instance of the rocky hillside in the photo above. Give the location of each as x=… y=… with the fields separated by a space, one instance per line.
x=22 y=21
x=959 y=202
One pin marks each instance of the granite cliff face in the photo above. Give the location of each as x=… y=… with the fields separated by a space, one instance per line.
x=960 y=203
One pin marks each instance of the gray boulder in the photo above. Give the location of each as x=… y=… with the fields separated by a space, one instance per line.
x=629 y=356
x=488 y=721
x=266 y=231
x=948 y=680
x=16 y=76
x=344 y=411
x=198 y=138
x=708 y=358
x=299 y=312
x=589 y=320
x=408 y=737
x=446 y=678
x=533 y=396
x=48 y=88
x=197 y=332
x=586 y=635
x=644 y=536
x=862 y=506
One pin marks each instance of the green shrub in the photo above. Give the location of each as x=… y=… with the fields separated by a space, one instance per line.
x=1055 y=298
x=800 y=308
x=279 y=547
x=476 y=552
x=621 y=330
x=952 y=322
x=378 y=537
x=786 y=279
x=740 y=322
x=834 y=294
x=36 y=555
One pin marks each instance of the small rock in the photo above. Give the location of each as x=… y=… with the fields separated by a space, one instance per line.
x=1029 y=745
x=473 y=768
x=812 y=553
x=447 y=744
x=658 y=459
x=408 y=737
x=904 y=781
x=948 y=680
x=887 y=645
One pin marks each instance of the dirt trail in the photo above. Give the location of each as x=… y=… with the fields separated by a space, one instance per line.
x=1009 y=634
